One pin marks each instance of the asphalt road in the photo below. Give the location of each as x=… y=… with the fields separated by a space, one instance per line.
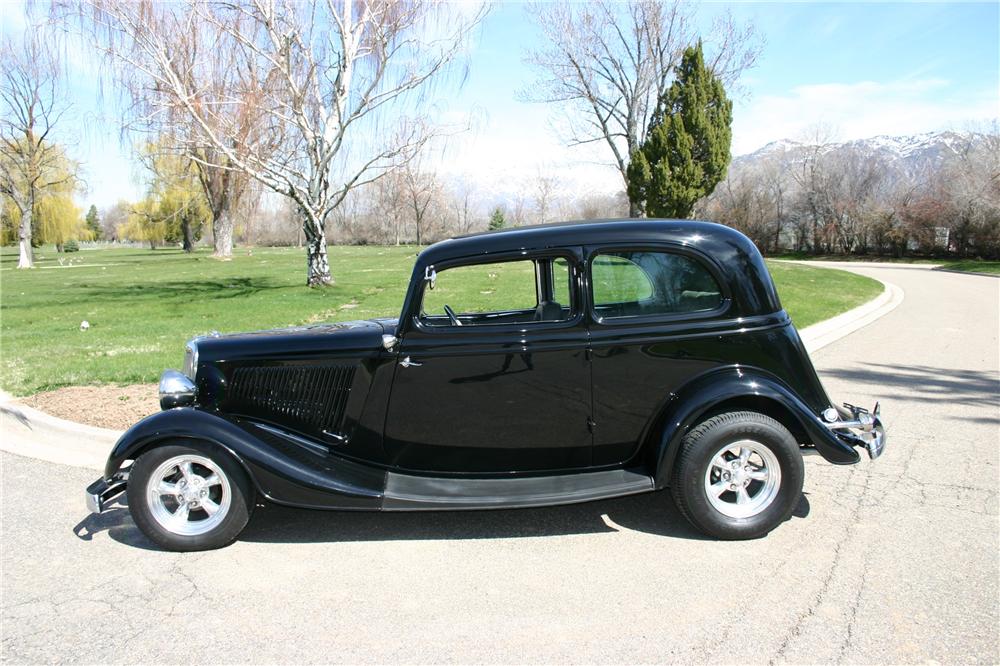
x=893 y=561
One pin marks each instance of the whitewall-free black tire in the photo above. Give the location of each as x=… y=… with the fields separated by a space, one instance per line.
x=188 y=496
x=738 y=475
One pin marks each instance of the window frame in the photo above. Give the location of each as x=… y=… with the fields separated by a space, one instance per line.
x=577 y=306
x=699 y=258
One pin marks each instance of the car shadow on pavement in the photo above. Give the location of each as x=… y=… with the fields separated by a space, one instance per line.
x=651 y=513
x=117 y=522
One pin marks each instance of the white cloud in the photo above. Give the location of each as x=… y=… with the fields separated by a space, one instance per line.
x=858 y=110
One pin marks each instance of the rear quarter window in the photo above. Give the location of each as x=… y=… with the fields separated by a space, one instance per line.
x=651 y=283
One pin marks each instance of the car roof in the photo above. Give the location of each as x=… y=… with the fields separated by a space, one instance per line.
x=581 y=232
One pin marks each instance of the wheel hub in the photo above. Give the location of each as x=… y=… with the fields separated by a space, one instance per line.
x=197 y=494
x=740 y=476
x=742 y=479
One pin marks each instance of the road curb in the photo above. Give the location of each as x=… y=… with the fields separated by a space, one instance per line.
x=29 y=432
x=820 y=335
x=35 y=434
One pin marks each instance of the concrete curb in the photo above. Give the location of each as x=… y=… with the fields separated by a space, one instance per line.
x=35 y=434
x=827 y=332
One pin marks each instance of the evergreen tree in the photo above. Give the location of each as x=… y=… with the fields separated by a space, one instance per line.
x=93 y=223
x=497 y=219
x=686 y=153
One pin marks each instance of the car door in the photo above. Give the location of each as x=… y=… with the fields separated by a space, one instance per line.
x=656 y=317
x=502 y=385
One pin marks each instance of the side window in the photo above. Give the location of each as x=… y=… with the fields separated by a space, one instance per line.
x=561 y=281
x=642 y=283
x=495 y=293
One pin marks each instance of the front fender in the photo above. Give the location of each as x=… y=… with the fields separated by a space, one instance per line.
x=281 y=470
x=700 y=396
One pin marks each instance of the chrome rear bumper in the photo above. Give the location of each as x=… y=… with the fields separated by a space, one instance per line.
x=100 y=492
x=863 y=428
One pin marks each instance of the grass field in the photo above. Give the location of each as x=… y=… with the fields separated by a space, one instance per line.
x=969 y=265
x=974 y=266
x=143 y=304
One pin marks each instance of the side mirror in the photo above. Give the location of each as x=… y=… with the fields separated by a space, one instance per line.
x=430 y=275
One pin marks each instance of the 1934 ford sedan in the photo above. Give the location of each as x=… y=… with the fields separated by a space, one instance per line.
x=528 y=367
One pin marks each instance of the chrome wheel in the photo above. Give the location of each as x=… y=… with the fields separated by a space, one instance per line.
x=742 y=479
x=189 y=495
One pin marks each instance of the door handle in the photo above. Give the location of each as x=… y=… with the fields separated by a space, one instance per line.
x=407 y=363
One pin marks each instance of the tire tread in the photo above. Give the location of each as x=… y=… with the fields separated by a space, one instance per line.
x=687 y=458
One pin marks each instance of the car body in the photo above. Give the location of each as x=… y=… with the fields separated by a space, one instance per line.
x=584 y=358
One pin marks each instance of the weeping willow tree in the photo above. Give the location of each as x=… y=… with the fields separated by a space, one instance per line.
x=175 y=209
x=55 y=218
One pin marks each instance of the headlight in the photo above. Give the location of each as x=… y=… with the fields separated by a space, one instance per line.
x=176 y=390
x=191 y=359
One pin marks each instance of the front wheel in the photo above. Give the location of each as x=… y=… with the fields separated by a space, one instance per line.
x=739 y=475
x=189 y=497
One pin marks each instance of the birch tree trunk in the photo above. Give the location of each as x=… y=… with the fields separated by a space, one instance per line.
x=26 y=258
x=318 y=265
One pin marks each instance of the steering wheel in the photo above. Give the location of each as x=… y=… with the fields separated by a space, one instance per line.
x=452 y=316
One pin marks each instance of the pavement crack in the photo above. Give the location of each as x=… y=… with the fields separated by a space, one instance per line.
x=838 y=554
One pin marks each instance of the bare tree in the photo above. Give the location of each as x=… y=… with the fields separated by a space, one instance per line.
x=545 y=189
x=973 y=194
x=462 y=209
x=420 y=188
x=113 y=218
x=30 y=161
x=388 y=205
x=518 y=211
x=813 y=180
x=610 y=62
x=327 y=77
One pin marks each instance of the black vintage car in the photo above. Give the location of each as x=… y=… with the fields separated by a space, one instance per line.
x=528 y=367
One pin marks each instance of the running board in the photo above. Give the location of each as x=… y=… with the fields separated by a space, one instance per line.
x=404 y=492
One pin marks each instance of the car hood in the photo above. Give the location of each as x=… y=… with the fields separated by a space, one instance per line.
x=362 y=337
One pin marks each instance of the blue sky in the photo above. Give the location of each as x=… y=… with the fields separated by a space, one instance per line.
x=859 y=69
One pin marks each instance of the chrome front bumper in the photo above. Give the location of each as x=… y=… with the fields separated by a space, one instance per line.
x=862 y=428
x=100 y=492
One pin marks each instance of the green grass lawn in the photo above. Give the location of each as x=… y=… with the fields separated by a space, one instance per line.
x=974 y=266
x=971 y=265
x=142 y=304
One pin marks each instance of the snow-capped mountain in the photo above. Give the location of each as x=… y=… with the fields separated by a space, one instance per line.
x=905 y=155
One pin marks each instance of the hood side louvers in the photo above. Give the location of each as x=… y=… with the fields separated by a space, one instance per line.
x=313 y=397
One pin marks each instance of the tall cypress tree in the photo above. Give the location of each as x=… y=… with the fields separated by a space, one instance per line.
x=93 y=223
x=686 y=152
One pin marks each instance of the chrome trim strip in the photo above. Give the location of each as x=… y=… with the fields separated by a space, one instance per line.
x=315 y=447
x=191 y=358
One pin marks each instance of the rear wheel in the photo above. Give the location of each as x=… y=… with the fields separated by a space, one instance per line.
x=739 y=475
x=189 y=497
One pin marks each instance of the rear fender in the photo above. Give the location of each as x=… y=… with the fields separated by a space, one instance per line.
x=703 y=395
x=282 y=471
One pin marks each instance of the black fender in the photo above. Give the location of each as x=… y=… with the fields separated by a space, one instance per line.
x=281 y=469
x=702 y=395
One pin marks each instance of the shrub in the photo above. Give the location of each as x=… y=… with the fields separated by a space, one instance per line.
x=71 y=246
